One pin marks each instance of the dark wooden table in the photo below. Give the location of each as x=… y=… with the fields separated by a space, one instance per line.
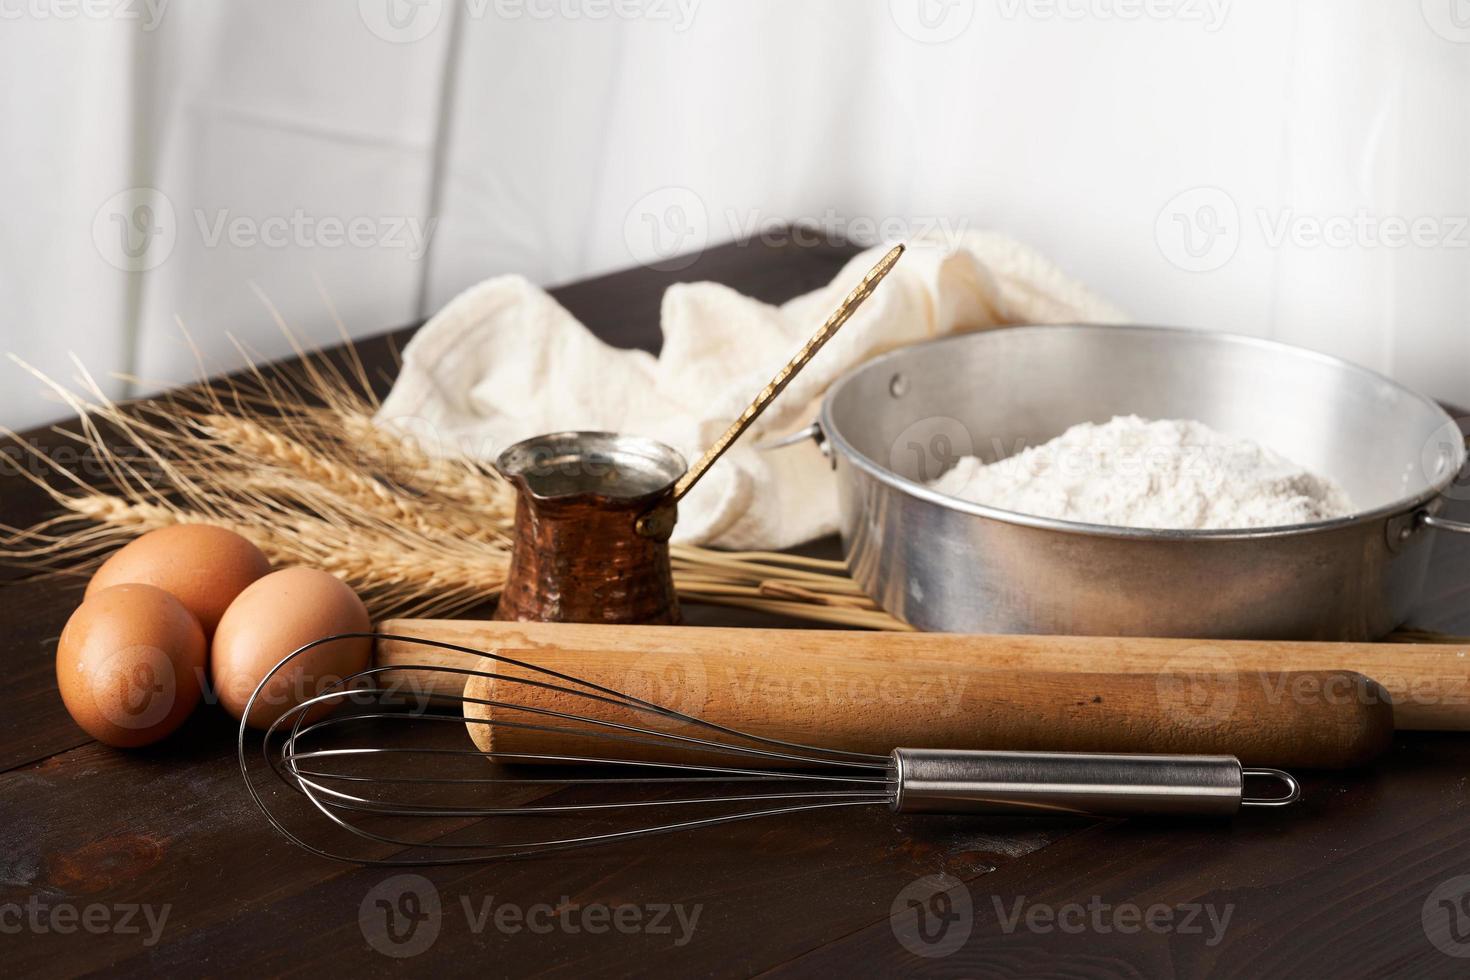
x=155 y=861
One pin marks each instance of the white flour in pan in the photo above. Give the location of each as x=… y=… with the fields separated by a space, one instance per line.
x=1132 y=472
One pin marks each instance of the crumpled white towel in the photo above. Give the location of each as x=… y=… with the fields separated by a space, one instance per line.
x=503 y=362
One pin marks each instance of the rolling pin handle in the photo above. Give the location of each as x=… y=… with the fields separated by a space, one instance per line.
x=1293 y=788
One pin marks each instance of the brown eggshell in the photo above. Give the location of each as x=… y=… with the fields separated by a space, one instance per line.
x=203 y=566
x=130 y=664
x=274 y=616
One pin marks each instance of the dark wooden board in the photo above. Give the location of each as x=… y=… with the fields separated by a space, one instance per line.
x=1336 y=887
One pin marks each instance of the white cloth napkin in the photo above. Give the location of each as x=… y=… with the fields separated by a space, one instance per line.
x=503 y=362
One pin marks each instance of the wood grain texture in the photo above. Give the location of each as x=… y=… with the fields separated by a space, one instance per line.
x=872 y=699
x=1429 y=682
x=1335 y=888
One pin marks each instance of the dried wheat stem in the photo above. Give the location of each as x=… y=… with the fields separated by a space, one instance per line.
x=294 y=462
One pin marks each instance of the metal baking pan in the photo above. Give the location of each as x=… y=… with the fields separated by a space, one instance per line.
x=941 y=563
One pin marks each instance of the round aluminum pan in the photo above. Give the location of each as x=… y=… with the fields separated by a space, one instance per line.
x=940 y=563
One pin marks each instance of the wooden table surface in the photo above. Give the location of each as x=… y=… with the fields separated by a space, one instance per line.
x=155 y=861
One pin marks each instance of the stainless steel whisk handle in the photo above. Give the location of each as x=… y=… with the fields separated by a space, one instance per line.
x=1095 y=784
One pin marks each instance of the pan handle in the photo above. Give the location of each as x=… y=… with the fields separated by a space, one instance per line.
x=1425 y=519
x=812 y=433
x=1443 y=524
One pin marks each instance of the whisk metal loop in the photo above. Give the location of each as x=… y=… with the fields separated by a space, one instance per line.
x=859 y=780
x=372 y=805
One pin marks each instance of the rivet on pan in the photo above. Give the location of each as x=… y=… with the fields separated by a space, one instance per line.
x=1400 y=531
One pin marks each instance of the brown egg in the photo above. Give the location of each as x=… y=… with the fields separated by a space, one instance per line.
x=203 y=566
x=130 y=664
x=274 y=616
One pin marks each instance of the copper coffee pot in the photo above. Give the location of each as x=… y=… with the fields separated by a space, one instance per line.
x=594 y=510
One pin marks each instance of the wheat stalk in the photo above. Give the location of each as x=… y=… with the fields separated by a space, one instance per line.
x=293 y=461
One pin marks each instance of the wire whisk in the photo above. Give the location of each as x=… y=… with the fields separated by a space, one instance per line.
x=386 y=750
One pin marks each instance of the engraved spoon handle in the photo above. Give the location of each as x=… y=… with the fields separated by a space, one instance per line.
x=783 y=377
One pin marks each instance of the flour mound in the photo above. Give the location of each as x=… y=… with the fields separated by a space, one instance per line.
x=1133 y=472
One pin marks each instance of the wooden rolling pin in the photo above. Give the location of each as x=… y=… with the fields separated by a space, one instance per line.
x=863 y=697
x=1428 y=683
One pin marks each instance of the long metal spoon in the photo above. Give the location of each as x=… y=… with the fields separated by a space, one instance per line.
x=784 y=376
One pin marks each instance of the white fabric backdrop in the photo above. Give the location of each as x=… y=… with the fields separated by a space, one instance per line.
x=1289 y=170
